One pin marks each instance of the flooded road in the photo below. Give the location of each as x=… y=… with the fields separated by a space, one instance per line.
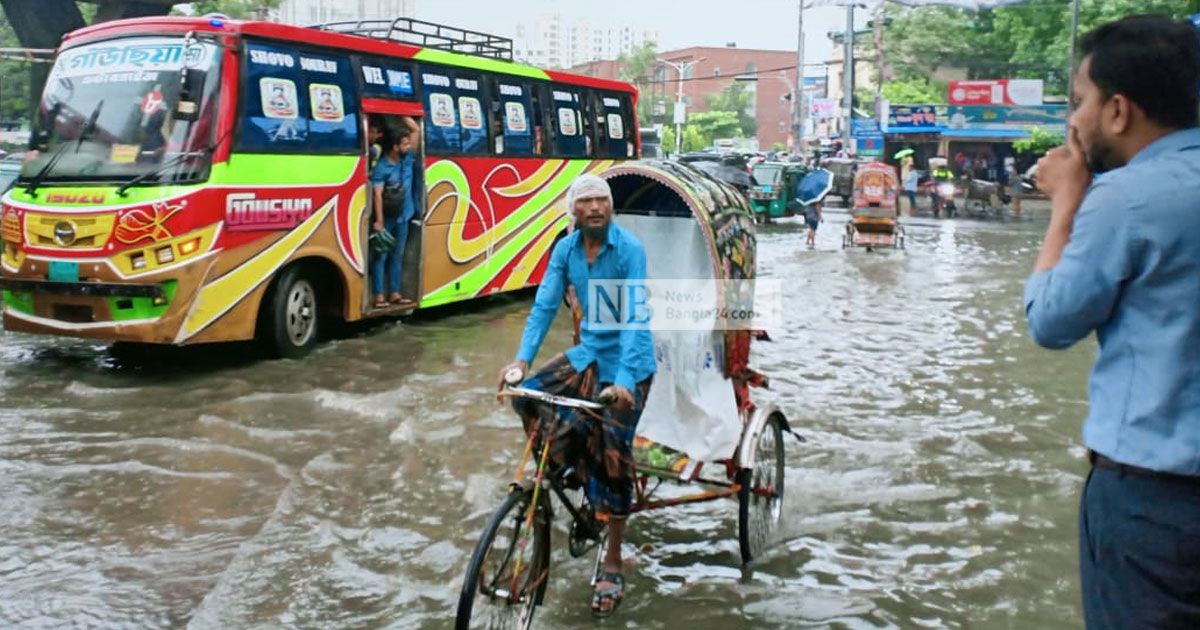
x=938 y=487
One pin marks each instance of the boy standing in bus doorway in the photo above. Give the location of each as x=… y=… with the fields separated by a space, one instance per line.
x=620 y=360
x=395 y=205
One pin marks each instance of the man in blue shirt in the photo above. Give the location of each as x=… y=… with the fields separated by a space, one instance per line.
x=395 y=205
x=1121 y=257
x=621 y=360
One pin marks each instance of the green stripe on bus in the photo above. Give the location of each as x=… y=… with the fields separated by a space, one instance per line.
x=480 y=63
x=261 y=169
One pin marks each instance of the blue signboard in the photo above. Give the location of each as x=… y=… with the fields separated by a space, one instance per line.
x=869 y=145
x=861 y=127
x=910 y=118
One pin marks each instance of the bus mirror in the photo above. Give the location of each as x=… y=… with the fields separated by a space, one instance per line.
x=188 y=108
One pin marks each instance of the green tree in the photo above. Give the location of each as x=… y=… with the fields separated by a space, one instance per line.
x=637 y=67
x=238 y=9
x=14 y=78
x=709 y=126
x=739 y=101
x=914 y=91
x=1027 y=40
x=1038 y=142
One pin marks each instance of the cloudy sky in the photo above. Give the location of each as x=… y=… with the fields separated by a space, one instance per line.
x=767 y=24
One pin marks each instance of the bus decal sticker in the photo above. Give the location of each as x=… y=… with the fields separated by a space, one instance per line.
x=123 y=154
x=278 y=98
x=469 y=109
x=137 y=225
x=514 y=117
x=219 y=296
x=326 y=66
x=347 y=223
x=566 y=122
x=519 y=229
x=327 y=103
x=443 y=109
x=248 y=212
x=400 y=82
x=616 y=127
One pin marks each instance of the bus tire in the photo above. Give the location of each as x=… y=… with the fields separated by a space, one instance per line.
x=291 y=315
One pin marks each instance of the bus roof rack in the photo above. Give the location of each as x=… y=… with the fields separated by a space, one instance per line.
x=427 y=35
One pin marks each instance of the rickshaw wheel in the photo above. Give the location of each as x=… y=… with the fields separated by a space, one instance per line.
x=494 y=594
x=760 y=496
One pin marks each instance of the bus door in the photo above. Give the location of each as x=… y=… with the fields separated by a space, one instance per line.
x=385 y=119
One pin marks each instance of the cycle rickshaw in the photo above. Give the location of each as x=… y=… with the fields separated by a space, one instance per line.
x=694 y=227
x=874 y=219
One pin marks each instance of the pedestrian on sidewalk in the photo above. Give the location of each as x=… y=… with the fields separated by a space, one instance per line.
x=1121 y=258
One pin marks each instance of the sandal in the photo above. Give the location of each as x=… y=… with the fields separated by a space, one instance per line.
x=613 y=593
x=380 y=302
x=396 y=298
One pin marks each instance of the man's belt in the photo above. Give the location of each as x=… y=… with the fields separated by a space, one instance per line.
x=1100 y=461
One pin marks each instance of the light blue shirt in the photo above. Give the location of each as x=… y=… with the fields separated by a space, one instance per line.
x=1131 y=272
x=623 y=357
x=388 y=172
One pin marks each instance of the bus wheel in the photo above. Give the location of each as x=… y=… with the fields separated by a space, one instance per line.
x=292 y=315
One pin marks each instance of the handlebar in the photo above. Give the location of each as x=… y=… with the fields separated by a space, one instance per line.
x=538 y=395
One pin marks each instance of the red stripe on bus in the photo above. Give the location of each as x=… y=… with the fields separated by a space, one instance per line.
x=385 y=106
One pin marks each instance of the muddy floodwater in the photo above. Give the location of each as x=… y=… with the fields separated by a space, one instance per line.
x=938 y=486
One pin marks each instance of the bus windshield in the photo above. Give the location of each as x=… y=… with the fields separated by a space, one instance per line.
x=115 y=105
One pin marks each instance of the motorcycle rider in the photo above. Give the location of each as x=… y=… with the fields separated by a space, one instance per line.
x=941 y=174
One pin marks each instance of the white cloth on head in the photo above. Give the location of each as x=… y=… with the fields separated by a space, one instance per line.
x=587 y=186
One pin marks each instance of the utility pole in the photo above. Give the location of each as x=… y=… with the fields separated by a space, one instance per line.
x=1074 y=40
x=798 y=105
x=680 y=67
x=848 y=76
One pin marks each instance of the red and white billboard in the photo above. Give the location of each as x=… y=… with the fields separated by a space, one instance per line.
x=996 y=92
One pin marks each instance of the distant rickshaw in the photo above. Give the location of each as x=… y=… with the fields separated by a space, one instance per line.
x=773 y=194
x=874 y=218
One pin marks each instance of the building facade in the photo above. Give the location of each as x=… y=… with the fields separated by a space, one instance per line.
x=550 y=41
x=768 y=75
x=306 y=12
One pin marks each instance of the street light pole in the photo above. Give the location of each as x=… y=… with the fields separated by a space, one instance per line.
x=798 y=109
x=848 y=75
x=680 y=68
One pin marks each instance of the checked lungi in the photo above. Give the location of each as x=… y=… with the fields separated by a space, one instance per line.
x=600 y=450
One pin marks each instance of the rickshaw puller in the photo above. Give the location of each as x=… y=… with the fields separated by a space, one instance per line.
x=620 y=360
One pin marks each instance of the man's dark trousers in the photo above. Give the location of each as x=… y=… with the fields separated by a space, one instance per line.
x=1139 y=550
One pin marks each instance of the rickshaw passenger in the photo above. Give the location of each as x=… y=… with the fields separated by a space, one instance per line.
x=601 y=453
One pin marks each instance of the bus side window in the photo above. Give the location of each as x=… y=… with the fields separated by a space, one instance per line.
x=275 y=107
x=442 y=131
x=333 y=103
x=473 y=119
x=511 y=104
x=570 y=137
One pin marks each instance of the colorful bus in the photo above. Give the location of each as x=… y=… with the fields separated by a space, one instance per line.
x=198 y=180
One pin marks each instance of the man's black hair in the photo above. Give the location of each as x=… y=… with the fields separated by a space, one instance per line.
x=1154 y=61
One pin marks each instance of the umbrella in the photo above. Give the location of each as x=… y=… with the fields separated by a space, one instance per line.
x=903 y=153
x=815 y=186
